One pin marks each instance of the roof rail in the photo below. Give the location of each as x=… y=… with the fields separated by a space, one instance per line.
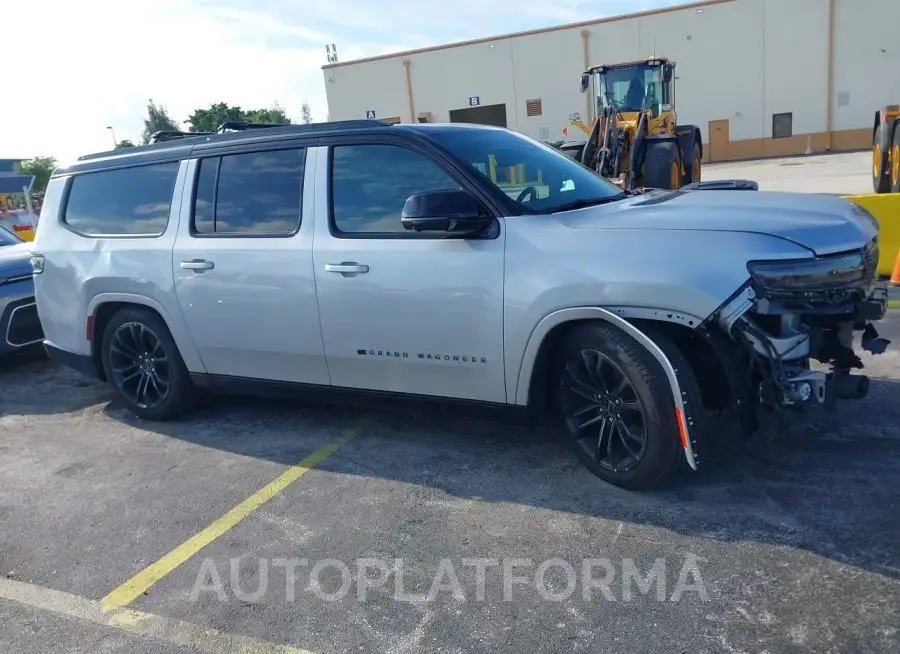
x=165 y=135
x=243 y=125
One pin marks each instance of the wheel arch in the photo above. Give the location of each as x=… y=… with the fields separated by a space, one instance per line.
x=548 y=332
x=104 y=306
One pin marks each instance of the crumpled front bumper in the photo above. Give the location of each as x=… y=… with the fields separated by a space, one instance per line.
x=781 y=336
x=875 y=306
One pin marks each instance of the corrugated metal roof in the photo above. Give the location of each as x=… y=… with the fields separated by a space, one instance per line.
x=14 y=183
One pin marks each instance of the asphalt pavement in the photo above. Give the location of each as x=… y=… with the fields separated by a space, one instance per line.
x=261 y=527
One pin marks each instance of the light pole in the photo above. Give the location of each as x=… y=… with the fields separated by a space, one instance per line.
x=113 y=132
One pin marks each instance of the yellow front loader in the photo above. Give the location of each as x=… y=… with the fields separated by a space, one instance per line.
x=633 y=136
x=886 y=150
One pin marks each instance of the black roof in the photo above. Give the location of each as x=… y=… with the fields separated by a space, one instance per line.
x=172 y=146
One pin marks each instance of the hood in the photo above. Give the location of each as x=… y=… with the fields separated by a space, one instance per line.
x=821 y=223
x=15 y=261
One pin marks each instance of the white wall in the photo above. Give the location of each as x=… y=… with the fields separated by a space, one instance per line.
x=375 y=85
x=743 y=60
x=548 y=66
x=719 y=72
x=442 y=82
x=796 y=64
x=866 y=60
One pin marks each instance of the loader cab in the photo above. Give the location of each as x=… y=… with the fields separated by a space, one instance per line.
x=633 y=87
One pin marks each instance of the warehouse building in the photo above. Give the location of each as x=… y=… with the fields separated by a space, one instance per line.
x=759 y=77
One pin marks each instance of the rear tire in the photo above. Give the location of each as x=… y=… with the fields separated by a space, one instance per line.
x=603 y=374
x=881 y=180
x=693 y=172
x=142 y=363
x=662 y=165
x=894 y=169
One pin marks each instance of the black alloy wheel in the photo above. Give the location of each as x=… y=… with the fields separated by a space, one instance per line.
x=615 y=403
x=140 y=367
x=603 y=411
x=142 y=362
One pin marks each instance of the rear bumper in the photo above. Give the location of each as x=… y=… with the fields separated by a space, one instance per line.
x=83 y=363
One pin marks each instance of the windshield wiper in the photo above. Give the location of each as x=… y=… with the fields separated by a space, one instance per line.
x=581 y=204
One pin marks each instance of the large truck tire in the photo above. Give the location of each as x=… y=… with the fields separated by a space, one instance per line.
x=881 y=180
x=662 y=165
x=895 y=159
x=693 y=172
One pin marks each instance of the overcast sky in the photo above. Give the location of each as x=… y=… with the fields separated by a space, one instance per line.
x=72 y=67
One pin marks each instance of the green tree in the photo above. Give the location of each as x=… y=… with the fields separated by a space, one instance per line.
x=157 y=120
x=41 y=168
x=124 y=143
x=208 y=120
x=275 y=114
x=305 y=113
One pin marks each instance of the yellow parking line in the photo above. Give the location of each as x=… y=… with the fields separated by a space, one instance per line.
x=143 y=580
x=893 y=304
x=167 y=630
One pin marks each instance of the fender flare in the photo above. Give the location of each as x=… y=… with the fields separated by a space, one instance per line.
x=182 y=338
x=683 y=416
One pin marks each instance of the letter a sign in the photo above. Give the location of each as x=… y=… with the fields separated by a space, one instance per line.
x=370 y=114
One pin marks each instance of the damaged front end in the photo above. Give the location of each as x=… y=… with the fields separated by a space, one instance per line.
x=792 y=313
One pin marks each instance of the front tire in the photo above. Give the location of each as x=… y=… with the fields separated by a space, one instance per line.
x=616 y=405
x=694 y=172
x=142 y=362
x=662 y=166
x=881 y=180
x=895 y=160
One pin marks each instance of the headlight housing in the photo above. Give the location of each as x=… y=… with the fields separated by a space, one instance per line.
x=865 y=215
x=809 y=274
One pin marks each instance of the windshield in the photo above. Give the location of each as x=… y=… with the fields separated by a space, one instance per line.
x=631 y=88
x=7 y=237
x=537 y=177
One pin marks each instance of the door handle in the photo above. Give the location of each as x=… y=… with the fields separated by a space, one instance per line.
x=197 y=264
x=346 y=267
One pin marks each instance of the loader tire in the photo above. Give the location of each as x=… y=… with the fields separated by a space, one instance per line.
x=662 y=165
x=881 y=180
x=693 y=172
x=895 y=160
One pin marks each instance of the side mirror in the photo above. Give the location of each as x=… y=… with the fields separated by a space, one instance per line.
x=585 y=82
x=667 y=73
x=452 y=212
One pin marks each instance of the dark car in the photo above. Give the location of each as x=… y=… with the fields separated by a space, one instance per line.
x=19 y=323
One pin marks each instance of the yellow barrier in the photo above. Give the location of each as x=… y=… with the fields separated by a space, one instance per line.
x=886 y=209
x=25 y=234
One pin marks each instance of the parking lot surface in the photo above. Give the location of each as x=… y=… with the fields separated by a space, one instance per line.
x=845 y=173
x=781 y=546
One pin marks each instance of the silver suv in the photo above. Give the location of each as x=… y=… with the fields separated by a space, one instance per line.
x=459 y=262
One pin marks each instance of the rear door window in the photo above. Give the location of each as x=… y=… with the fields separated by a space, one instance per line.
x=257 y=193
x=124 y=202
